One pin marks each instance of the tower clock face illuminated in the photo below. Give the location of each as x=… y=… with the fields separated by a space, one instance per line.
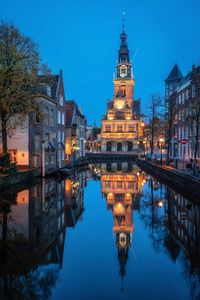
x=123 y=71
x=119 y=104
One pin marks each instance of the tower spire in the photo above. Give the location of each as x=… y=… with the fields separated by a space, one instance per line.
x=123 y=21
x=123 y=51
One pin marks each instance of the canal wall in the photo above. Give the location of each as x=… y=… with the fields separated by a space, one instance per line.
x=101 y=157
x=182 y=183
x=19 y=177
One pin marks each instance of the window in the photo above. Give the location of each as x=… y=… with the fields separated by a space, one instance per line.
x=52 y=159
x=46 y=140
x=61 y=100
x=193 y=90
x=132 y=127
x=37 y=144
x=63 y=118
x=58 y=117
x=183 y=98
x=46 y=158
x=48 y=90
x=13 y=155
x=107 y=184
x=63 y=155
x=119 y=184
x=63 y=137
x=46 y=112
x=187 y=94
x=59 y=136
x=108 y=128
x=37 y=118
x=52 y=117
x=119 y=128
x=131 y=184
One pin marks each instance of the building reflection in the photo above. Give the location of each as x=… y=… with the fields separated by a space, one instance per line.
x=173 y=222
x=121 y=186
x=32 y=234
x=182 y=238
x=74 y=194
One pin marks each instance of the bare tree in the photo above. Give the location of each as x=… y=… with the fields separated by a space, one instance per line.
x=155 y=119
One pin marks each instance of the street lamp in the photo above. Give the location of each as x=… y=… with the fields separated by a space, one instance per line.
x=144 y=142
x=74 y=149
x=161 y=140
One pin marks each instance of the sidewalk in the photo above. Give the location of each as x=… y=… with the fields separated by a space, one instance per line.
x=181 y=168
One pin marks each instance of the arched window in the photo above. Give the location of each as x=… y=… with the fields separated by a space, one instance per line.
x=119 y=166
x=108 y=146
x=119 y=146
x=108 y=167
x=130 y=146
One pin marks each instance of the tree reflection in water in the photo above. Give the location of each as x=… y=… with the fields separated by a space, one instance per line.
x=173 y=224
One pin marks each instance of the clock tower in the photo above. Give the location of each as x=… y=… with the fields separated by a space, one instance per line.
x=124 y=80
x=121 y=128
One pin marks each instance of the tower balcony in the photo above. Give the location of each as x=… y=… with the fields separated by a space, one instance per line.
x=119 y=135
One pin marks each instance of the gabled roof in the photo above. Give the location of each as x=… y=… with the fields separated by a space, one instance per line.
x=55 y=81
x=70 y=110
x=52 y=81
x=175 y=74
x=71 y=105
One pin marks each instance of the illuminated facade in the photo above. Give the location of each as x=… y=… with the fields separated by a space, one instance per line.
x=121 y=127
x=121 y=185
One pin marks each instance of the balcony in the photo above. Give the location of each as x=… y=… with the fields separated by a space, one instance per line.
x=118 y=135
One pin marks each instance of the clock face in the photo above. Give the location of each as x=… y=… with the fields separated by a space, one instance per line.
x=123 y=71
x=119 y=104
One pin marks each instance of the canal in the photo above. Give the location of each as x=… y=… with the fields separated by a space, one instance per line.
x=109 y=232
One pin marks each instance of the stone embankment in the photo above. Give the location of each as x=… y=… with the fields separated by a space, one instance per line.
x=183 y=183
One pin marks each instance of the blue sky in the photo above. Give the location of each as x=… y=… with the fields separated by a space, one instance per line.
x=82 y=39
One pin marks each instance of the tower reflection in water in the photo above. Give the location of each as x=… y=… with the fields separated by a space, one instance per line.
x=32 y=234
x=121 y=186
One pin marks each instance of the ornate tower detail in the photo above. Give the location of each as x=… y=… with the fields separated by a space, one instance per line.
x=121 y=126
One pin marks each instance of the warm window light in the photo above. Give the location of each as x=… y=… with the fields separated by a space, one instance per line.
x=142 y=124
x=161 y=140
x=119 y=209
x=160 y=203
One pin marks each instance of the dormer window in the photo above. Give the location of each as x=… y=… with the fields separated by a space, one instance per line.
x=48 y=90
x=61 y=100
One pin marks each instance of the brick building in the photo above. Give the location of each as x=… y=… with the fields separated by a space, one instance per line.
x=183 y=114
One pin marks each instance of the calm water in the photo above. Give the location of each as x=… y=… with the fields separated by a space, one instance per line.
x=111 y=232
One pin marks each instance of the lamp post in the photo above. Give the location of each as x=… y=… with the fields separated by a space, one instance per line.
x=74 y=149
x=161 y=140
x=144 y=142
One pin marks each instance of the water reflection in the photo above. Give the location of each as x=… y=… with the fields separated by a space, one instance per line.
x=33 y=228
x=34 y=222
x=121 y=185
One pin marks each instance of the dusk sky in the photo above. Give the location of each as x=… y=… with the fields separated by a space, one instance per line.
x=82 y=39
